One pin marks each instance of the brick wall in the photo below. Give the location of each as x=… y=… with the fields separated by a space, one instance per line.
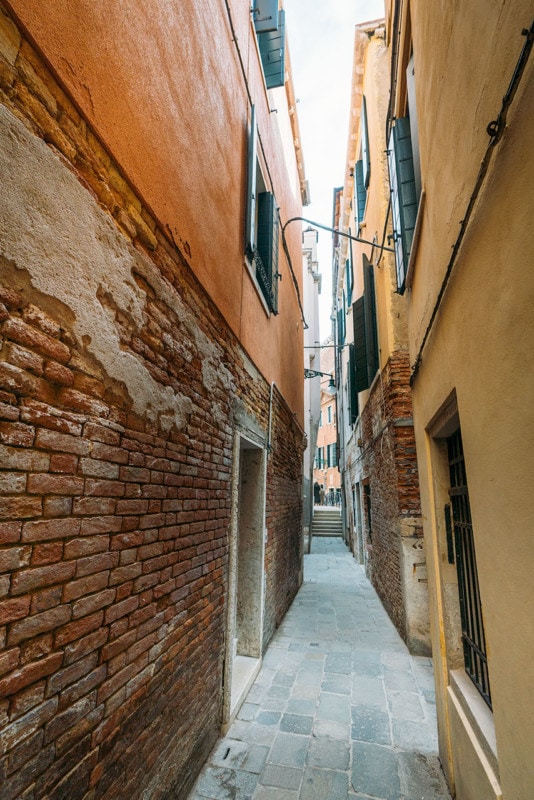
x=114 y=521
x=390 y=464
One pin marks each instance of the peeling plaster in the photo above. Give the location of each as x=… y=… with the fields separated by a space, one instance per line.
x=53 y=228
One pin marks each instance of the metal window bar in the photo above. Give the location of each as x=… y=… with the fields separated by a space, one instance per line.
x=473 y=638
x=263 y=279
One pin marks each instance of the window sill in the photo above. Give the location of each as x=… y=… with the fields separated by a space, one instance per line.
x=477 y=712
x=257 y=286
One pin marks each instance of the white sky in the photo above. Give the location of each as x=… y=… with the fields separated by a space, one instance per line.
x=321 y=42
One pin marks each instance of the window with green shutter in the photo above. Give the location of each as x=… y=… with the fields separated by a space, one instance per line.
x=404 y=198
x=360 y=192
x=261 y=225
x=272 y=47
x=352 y=390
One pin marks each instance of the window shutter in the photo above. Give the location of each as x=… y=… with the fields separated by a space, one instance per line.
x=341 y=327
x=403 y=195
x=272 y=51
x=366 y=159
x=334 y=454
x=360 y=350
x=371 y=337
x=265 y=15
x=349 y=277
x=361 y=193
x=353 y=394
x=267 y=268
x=250 y=233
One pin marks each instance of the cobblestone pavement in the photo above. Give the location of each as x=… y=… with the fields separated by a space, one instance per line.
x=339 y=709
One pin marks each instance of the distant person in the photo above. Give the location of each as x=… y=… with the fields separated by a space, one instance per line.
x=316 y=493
x=321 y=494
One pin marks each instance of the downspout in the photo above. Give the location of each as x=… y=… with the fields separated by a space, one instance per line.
x=269 y=445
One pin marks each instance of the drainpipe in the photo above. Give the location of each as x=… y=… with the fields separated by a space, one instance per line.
x=270 y=418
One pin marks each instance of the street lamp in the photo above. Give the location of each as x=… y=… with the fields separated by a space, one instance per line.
x=313 y=373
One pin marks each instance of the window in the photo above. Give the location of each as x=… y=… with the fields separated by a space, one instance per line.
x=329 y=414
x=321 y=418
x=331 y=455
x=319 y=458
x=269 y=23
x=404 y=198
x=352 y=390
x=461 y=547
x=261 y=227
x=365 y=331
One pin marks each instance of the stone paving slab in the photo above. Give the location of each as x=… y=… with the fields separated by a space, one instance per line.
x=339 y=709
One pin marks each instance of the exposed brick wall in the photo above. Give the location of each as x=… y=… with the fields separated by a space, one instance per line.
x=114 y=529
x=390 y=464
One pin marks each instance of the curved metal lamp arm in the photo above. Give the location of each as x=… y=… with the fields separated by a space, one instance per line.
x=335 y=230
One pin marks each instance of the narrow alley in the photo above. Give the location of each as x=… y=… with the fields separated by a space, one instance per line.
x=339 y=709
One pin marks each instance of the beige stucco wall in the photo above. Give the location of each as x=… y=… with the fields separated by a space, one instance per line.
x=482 y=348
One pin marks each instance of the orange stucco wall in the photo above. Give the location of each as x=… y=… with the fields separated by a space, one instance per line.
x=148 y=79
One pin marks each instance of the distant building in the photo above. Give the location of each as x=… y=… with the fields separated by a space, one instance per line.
x=325 y=471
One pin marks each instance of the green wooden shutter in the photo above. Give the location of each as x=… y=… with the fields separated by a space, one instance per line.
x=265 y=15
x=353 y=394
x=371 y=333
x=361 y=192
x=403 y=195
x=272 y=50
x=360 y=348
x=250 y=221
x=349 y=277
x=366 y=157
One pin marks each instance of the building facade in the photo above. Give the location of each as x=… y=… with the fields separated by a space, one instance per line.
x=312 y=362
x=459 y=128
x=378 y=459
x=326 y=470
x=151 y=393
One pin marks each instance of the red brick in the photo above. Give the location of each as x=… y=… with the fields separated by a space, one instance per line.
x=45 y=416
x=96 y=563
x=67 y=718
x=9 y=659
x=86 y=546
x=93 y=506
x=47 y=553
x=12 y=299
x=12 y=558
x=87 y=605
x=17 y=433
x=12 y=482
x=86 y=645
x=54 y=484
x=20 y=755
x=82 y=402
x=23 y=358
x=99 y=469
x=62 y=442
x=40 y=623
x=99 y=433
x=132 y=506
x=34 y=315
x=18 y=331
x=83 y=687
x=78 y=628
x=122 y=574
x=25 y=726
x=85 y=585
x=24 y=460
x=67 y=464
x=121 y=609
x=100 y=524
x=26 y=699
x=33 y=649
x=9 y=412
x=57 y=506
x=106 y=452
x=16 y=608
x=57 y=373
x=48 y=598
x=20 y=507
x=103 y=488
x=19 y=381
x=127 y=540
x=10 y=532
x=30 y=674
x=38 y=577
x=69 y=675
x=46 y=529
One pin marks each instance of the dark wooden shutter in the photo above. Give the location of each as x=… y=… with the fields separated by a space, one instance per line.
x=364 y=136
x=360 y=349
x=361 y=192
x=250 y=233
x=371 y=333
x=272 y=50
x=267 y=269
x=353 y=394
x=403 y=195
